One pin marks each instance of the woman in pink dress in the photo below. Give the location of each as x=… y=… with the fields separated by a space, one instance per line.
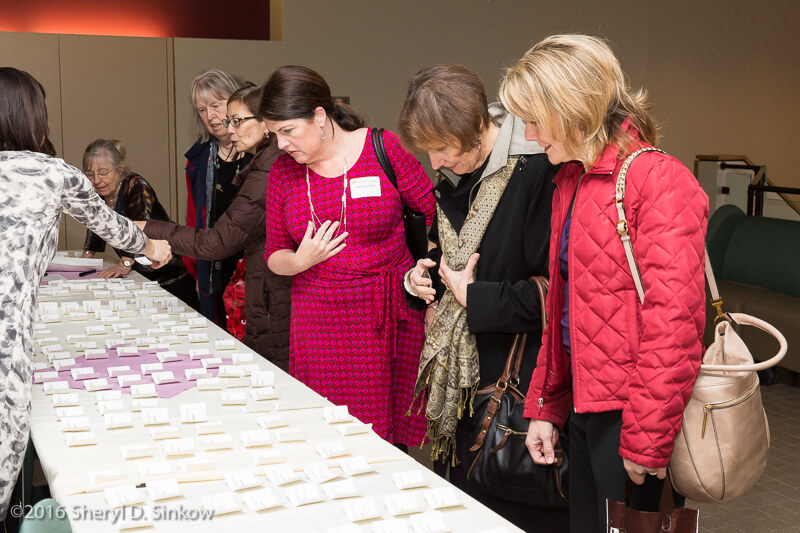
x=335 y=223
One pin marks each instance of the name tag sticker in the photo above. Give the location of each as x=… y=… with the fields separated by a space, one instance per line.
x=366 y=187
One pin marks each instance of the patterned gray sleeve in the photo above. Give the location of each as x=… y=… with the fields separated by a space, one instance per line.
x=84 y=205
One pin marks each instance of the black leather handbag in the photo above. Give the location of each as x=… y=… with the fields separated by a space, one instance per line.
x=416 y=229
x=498 y=460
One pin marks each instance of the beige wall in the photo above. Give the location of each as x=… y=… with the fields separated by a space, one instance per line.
x=723 y=74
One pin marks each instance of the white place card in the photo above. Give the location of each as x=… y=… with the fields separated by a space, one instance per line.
x=122 y=495
x=70 y=306
x=137 y=451
x=110 y=406
x=410 y=479
x=256 y=437
x=224 y=344
x=233 y=398
x=129 y=380
x=53 y=387
x=290 y=435
x=262 y=378
x=60 y=355
x=106 y=395
x=85 y=345
x=169 y=339
x=361 y=509
x=248 y=369
x=46 y=308
x=336 y=414
x=217 y=441
x=230 y=371
x=269 y=457
x=319 y=473
x=82 y=373
x=442 y=498
x=79 y=316
x=175 y=447
x=259 y=500
x=355 y=466
x=51 y=318
x=198 y=337
x=154 y=468
x=84 y=438
x=241 y=358
x=164 y=376
x=66 y=400
x=401 y=504
x=196 y=464
x=107 y=319
x=137 y=404
x=304 y=494
x=120 y=326
x=192 y=413
x=206 y=384
x=222 y=503
x=157 y=317
x=147 y=342
x=236 y=383
x=155 y=416
x=95 y=330
x=48 y=350
x=209 y=428
x=336 y=490
x=145 y=390
x=264 y=393
x=355 y=428
x=254 y=406
x=198 y=322
x=199 y=353
x=123 y=351
x=39 y=365
x=281 y=474
x=118 y=305
x=113 y=343
x=149 y=368
x=155 y=332
x=241 y=480
x=189 y=314
x=114 y=371
x=211 y=362
x=62 y=412
x=63 y=364
x=75 y=423
x=163 y=433
x=430 y=522
x=163 y=489
x=130 y=333
x=104 y=475
x=41 y=377
x=167 y=356
x=331 y=449
x=196 y=373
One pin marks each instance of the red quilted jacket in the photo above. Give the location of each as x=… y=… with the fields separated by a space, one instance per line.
x=642 y=359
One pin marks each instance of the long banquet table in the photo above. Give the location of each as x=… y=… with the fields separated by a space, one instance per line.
x=93 y=481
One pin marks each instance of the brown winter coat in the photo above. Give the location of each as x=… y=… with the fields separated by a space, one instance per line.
x=267 y=303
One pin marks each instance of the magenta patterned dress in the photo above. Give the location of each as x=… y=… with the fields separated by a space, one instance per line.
x=354 y=339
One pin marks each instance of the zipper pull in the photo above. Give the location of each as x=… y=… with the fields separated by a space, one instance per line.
x=541 y=402
x=706 y=410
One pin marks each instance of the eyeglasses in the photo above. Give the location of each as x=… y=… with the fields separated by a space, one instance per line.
x=235 y=122
x=102 y=172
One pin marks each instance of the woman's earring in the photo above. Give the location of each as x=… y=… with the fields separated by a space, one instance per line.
x=322 y=133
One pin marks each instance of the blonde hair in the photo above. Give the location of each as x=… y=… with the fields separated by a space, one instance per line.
x=113 y=149
x=212 y=83
x=573 y=84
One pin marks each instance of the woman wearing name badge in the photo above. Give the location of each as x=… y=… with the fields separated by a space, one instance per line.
x=623 y=368
x=493 y=192
x=132 y=196
x=267 y=298
x=334 y=222
x=35 y=189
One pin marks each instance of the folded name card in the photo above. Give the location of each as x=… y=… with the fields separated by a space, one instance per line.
x=119 y=326
x=124 y=351
x=53 y=387
x=119 y=305
x=62 y=412
x=196 y=322
x=430 y=522
x=196 y=373
x=217 y=441
x=401 y=504
x=167 y=356
x=254 y=406
x=209 y=428
x=361 y=509
x=167 y=432
x=336 y=414
x=331 y=449
x=264 y=393
x=262 y=378
x=155 y=468
x=199 y=353
x=163 y=489
x=157 y=317
x=206 y=384
x=181 y=330
x=47 y=308
x=63 y=364
x=113 y=343
x=86 y=345
x=84 y=438
x=118 y=420
x=211 y=362
x=107 y=317
x=256 y=437
x=129 y=380
x=269 y=457
x=91 y=305
x=122 y=495
x=41 y=377
x=233 y=398
x=137 y=404
x=39 y=365
x=222 y=503
x=175 y=447
x=340 y=489
x=75 y=423
x=50 y=318
x=48 y=350
x=155 y=332
x=442 y=497
x=196 y=464
x=79 y=316
x=185 y=315
x=236 y=383
x=281 y=474
x=106 y=395
x=230 y=371
x=193 y=412
x=409 y=479
x=145 y=390
x=169 y=339
x=94 y=385
x=114 y=371
x=319 y=473
x=43 y=343
x=240 y=358
x=356 y=428
x=224 y=344
x=104 y=475
x=130 y=333
x=259 y=500
x=70 y=306
x=354 y=466
x=68 y=399
x=291 y=435
x=198 y=337
x=154 y=416
x=304 y=494
x=95 y=330
x=164 y=376
x=272 y=421
x=110 y=406
x=60 y=355
x=241 y=480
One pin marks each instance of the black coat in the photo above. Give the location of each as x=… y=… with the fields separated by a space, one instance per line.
x=501 y=301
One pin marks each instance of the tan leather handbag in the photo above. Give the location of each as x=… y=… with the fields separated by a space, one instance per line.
x=723 y=445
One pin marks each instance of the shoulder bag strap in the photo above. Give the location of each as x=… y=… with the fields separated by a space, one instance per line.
x=380 y=153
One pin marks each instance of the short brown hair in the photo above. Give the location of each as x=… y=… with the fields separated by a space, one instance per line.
x=23 y=114
x=445 y=106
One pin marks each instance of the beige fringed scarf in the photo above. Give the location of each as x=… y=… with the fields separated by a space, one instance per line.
x=448 y=366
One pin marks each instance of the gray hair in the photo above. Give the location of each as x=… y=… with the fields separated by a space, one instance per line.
x=113 y=149
x=211 y=83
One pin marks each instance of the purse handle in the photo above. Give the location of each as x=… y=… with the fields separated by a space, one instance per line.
x=716 y=300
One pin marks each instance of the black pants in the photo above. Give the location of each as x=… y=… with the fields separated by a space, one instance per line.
x=596 y=472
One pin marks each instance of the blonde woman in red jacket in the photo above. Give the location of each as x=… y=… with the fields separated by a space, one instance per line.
x=622 y=369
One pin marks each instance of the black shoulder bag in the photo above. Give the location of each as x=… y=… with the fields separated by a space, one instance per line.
x=416 y=230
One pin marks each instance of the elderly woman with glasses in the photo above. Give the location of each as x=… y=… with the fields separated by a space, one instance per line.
x=132 y=196
x=242 y=227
